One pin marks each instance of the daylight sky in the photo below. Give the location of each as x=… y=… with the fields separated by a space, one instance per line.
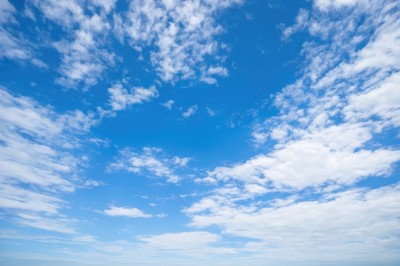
x=199 y=132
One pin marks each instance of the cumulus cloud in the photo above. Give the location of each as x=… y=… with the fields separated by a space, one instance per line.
x=333 y=155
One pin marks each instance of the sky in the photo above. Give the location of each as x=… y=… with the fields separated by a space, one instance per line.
x=199 y=132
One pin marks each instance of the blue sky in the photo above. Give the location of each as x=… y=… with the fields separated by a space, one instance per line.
x=199 y=132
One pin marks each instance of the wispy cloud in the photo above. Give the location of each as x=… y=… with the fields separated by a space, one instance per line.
x=190 y=111
x=37 y=159
x=151 y=161
x=168 y=104
x=184 y=241
x=183 y=34
x=211 y=112
x=121 y=98
x=83 y=53
x=12 y=46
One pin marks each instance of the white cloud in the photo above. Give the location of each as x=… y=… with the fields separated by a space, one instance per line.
x=181 y=241
x=106 y=5
x=211 y=112
x=183 y=33
x=60 y=225
x=40 y=63
x=151 y=162
x=333 y=155
x=168 y=104
x=209 y=76
x=83 y=53
x=335 y=111
x=12 y=46
x=121 y=98
x=301 y=23
x=259 y=137
x=181 y=161
x=7 y=11
x=38 y=160
x=326 y=4
x=364 y=221
x=127 y=212
x=383 y=101
x=190 y=111
x=13 y=197
x=298 y=198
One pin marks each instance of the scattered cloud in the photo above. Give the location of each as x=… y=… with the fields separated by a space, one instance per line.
x=83 y=54
x=209 y=76
x=121 y=98
x=127 y=212
x=211 y=112
x=150 y=162
x=321 y=186
x=300 y=24
x=184 y=35
x=168 y=104
x=304 y=192
x=190 y=111
x=11 y=46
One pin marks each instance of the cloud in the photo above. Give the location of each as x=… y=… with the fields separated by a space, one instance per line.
x=181 y=241
x=14 y=197
x=190 y=111
x=299 y=193
x=127 y=212
x=351 y=220
x=59 y=225
x=211 y=112
x=38 y=160
x=181 y=161
x=150 y=162
x=11 y=45
x=183 y=34
x=168 y=104
x=83 y=54
x=120 y=98
x=334 y=155
x=181 y=38
x=382 y=101
x=301 y=23
x=7 y=12
x=209 y=75
x=325 y=4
